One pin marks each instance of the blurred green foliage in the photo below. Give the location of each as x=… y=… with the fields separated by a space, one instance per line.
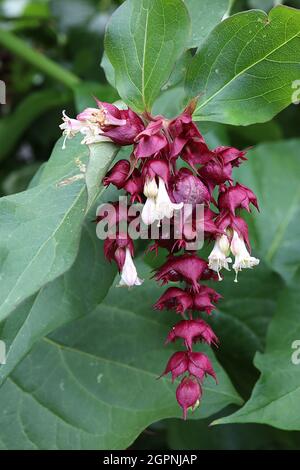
x=70 y=34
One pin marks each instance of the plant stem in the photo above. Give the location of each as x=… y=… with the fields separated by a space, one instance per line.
x=37 y=59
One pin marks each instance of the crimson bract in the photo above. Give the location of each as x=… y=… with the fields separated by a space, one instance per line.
x=172 y=167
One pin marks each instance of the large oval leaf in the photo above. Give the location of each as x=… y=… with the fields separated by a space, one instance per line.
x=273 y=172
x=74 y=294
x=40 y=228
x=205 y=15
x=93 y=384
x=242 y=319
x=143 y=40
x=244 y=71
x=275 y=398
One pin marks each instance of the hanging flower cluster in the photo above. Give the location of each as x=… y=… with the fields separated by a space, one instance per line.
x=171 y=167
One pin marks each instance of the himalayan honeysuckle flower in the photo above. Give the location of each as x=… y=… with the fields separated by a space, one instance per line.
x=121 y=250
x=164 y=207
x=129 y=275
x=218 y=258
x=242 y=256
x=158 y=203
x=171 y=170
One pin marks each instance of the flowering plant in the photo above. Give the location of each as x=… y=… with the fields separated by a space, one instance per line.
x=152 y=175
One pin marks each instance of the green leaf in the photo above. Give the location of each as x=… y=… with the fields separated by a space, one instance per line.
x=72 y=295
x=265 y=5
x=100 y=158
x=86 y=92
x=18 y=180
x=144 y=38
x=242 y=319
x=205 y=15
x=244 y=71
x=93 y=384
x=179 y=72
x=215 y=134
x=170 y=103
x=199 y=435
x=273 y=173
x=258 y=133
x=38 y=243
x=108 y=70
x=275 y=398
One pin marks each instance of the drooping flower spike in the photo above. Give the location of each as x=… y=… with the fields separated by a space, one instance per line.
x=172 y=171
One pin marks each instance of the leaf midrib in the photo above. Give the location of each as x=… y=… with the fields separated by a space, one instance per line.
x=144 y=58
x=167 y=380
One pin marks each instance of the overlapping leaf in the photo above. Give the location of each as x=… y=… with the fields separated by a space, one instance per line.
x=143 y=40
x=72 y=295
x=275 y=398
x=273 y=172
x=244 y=71
x=205 y=15
x=40 y=228
x=93 y=384
x=242 y=319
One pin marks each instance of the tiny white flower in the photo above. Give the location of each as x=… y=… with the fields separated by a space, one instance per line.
x=158 y=204
x=90 y=130
x=218 y=258
x=70 y=127
x=243 y=259
x=129 y=275
x=163 y=204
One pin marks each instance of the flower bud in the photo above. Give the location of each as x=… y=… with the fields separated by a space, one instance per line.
x=188 y=394
x=189 y=188
x=192 y=331
x=150 y=188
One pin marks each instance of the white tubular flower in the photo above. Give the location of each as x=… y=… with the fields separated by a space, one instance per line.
x=163 y=204
x=129 y=275
x=218 y=258
x=92 y=134
x=90 y=129
x=150 y=188
x=70 y=127
x=243 y=259
x=149 y=211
